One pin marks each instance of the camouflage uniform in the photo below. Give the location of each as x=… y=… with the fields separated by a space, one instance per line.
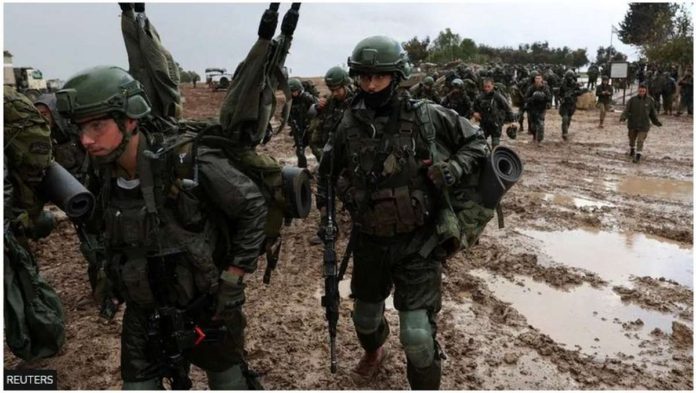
x=494 y=110
x=459 y=102
x=640 y=112
x=327 y=119
x=604 y=94
x=299 y=123
x=422 y=91
x=169 y=243
x=378 y=151
x=569 y=92
x=537 y=99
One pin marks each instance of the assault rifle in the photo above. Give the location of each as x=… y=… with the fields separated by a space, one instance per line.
x=331 y=299
x=172 y=333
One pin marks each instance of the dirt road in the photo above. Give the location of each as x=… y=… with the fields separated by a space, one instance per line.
x=588 y=286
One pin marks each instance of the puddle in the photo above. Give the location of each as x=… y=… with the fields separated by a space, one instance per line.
x=677 y=190
x=617 y=256
x=568 y=201
x=583 y=318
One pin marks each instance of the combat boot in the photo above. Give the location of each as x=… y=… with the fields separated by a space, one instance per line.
x=632 y=153
x=636 y=159
x=370 y=364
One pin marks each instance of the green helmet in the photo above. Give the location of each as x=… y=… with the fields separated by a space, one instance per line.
x=379 y=54
x=569 y=74
x=101 y=91
x=457 y=83
x=428 y=81
x=295 y=85
x=336 y=77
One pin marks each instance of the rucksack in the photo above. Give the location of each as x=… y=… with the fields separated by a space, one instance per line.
x=34 y=316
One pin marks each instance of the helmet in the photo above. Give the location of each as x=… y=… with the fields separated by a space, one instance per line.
x=100 y=91
x=379 y=54
x=569 y=73
x=511 y=131
x=533 y=74
x=49 y=100
x=336 y=76
x=457 y=83
x=295 y=85
x=428 y=81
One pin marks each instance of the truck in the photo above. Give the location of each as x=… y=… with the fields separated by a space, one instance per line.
x=217 y=78
x=27 y=80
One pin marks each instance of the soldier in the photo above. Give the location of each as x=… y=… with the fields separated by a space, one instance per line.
x=66 y=144
x=686 y=91
x=492 y=110
x=425 y=90
x=382 y=151
x=604 y=94
x=669 y=87
x=592 y=74
x=640 y=112
x=34 y=316
x=180 y=234
x=537 y=99
x=328 y=111
x=299 y=118
x=458 y=100
x=569 y=91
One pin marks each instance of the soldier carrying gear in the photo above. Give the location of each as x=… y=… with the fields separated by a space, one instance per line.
x=392 y=174
x=425 y=90
x=492 y=111
x=537 y=99
x=604 y=95
x=299 y=118
x=458 y=100
x=327 y=111
x=166 y=200
x=569 y=91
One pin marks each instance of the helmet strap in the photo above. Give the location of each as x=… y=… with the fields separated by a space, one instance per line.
x=121 y=148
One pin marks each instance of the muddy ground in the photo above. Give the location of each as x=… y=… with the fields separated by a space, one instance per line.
x=588 y=286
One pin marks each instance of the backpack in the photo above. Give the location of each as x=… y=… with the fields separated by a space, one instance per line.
x=34 y=316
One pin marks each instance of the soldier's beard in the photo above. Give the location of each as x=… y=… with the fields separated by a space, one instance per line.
x=380 y=98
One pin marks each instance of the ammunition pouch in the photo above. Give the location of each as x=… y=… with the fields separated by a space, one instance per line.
x=393 y=211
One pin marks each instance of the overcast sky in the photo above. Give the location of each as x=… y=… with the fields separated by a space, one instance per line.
x=61 y=39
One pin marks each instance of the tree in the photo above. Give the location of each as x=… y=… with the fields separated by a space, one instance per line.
x=446 y=46
x=467 y=48
x=417 y=49
x=579 y=58
x=647 y=23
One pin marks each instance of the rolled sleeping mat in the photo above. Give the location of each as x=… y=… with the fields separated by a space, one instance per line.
x=297 y=191
x=61 y=188
x=502 y=170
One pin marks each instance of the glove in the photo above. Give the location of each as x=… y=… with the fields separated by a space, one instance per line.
x=444 y=174
x=230 y=294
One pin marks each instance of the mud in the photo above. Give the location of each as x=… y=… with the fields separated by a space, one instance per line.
x=519 y=310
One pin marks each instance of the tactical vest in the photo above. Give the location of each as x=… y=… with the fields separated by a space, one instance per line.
x=160 y=237
x=389 y=193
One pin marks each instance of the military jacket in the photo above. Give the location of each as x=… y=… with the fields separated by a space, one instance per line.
x=493 y=108
x=328 y=117
x=460 y=102
x=299 y=118
x=604 y=93
x=538 y=102
x=639 y=112
x=189 y=233
x=380 y=160
x=420 y=92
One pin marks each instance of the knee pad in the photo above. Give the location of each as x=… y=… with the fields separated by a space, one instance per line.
x=150 y=384
x=230 y=379
x=416 y=336
x=367 y=316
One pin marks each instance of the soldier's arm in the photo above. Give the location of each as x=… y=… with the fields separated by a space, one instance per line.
x=505 y=106
x=653 y=116
x=243 y=205
x=626 y=112
x=458 y=133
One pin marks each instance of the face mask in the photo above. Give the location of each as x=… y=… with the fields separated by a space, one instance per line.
x=380 y=98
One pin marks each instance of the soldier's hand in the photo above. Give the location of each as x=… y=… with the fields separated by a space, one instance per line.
x=230 y=295
x=443 y=174
x=322 y=103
